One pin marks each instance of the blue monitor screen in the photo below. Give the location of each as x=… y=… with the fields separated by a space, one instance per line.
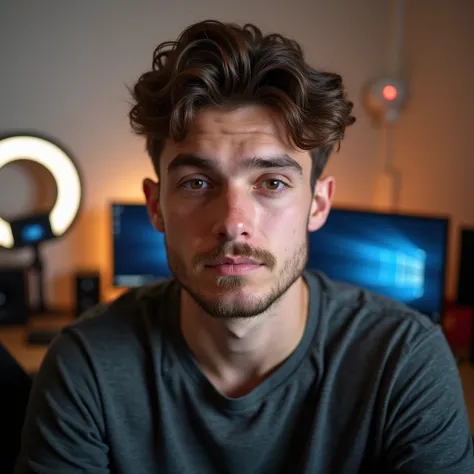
x=139 y=254
x=399 y=256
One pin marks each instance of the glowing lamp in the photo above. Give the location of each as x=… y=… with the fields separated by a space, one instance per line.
x=384 y=99
x=56 y=222
x=39 y=227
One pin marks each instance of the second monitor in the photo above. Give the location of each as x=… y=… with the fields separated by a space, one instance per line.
x=400 y=256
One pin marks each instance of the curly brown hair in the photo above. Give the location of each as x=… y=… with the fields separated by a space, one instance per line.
x=215 y=64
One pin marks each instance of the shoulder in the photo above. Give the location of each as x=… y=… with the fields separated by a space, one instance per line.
x=114 y=331
x=372 y=322
x=132 y=307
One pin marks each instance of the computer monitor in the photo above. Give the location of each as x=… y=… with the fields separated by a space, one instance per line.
x=138 y=249
x=399 y=256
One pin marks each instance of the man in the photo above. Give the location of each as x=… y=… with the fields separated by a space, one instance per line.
x=244 y=362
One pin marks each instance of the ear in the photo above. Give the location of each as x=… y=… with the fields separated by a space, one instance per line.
x=151 y=190
x=321 y=203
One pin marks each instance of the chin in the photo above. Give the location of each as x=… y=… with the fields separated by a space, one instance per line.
x=229 y=288
x=235 y=306
x=235 y=287
x=234 y=299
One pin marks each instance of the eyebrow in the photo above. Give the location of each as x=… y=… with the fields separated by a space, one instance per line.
x=283 y=161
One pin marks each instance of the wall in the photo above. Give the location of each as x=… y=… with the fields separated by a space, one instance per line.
x=435 y=138
x=65 y=67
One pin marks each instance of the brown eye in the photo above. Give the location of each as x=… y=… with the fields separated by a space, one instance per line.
x=195 y=184
x=273 y=184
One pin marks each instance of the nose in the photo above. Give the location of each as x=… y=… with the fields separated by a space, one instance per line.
x=234 y=215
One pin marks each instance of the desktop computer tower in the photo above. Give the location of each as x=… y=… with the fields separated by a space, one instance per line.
x=466 y=268
x=87 y=289
x=465 y=292
x=14 y=307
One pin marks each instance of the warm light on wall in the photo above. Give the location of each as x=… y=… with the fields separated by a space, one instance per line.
x=63 y=170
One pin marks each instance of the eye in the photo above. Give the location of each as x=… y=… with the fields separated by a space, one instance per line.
x=195 y=184
x=274 y=184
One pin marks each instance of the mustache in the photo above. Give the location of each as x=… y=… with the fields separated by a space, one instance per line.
x=236 y=249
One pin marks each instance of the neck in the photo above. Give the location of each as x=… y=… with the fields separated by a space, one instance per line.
x=236 y=355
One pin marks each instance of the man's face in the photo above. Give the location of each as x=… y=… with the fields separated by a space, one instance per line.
x=235 y=205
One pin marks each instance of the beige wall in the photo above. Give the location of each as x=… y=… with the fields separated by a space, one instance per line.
x=435 y=138
x=65 y=66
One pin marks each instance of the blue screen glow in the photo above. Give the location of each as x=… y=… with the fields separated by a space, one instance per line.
x=32 y=233
x=139 y=253
x=402 y=257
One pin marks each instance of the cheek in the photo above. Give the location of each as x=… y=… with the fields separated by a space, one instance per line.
x=177 y=215
x=184 y=228
x=284 y=225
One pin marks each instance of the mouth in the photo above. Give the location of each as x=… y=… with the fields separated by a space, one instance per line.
x=233 y=261
x=233 y=266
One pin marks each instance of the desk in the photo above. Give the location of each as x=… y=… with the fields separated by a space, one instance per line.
x=30 y=356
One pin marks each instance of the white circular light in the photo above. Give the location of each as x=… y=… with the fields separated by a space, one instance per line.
x=65 y=174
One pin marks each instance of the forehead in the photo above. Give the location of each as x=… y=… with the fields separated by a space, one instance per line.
x=230 y=135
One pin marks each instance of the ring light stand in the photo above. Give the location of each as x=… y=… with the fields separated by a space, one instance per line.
x=33 y=230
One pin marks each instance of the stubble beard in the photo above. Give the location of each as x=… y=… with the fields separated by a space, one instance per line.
x=240 y=306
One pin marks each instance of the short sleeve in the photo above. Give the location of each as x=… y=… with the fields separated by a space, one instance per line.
x=64 y=428
x=427 y=427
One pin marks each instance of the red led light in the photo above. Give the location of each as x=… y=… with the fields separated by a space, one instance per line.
x=389 y=92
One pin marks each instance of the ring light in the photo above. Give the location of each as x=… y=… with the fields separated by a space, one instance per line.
x=38 y=227
x=56 y=222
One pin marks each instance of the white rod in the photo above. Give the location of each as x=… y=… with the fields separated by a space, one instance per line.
x=398 y=16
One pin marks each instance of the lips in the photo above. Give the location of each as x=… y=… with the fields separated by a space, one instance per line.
x=233 y=266
x=233 y=261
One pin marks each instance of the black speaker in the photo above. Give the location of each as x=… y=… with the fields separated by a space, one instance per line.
x=465 y=296
x=87 y=291
x=14 y=307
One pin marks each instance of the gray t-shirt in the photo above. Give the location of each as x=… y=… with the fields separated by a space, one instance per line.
x=372 y=387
